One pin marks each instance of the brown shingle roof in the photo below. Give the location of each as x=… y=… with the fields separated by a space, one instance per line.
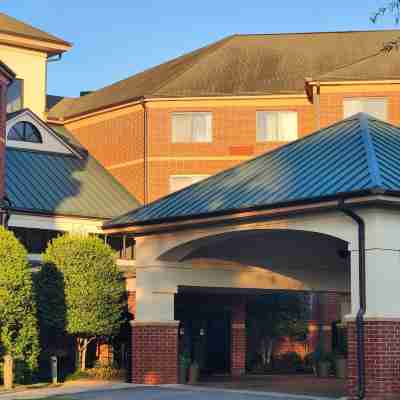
x=13 y=26
x=238 y=65
x=380 y=66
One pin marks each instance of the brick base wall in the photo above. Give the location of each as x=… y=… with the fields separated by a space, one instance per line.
x=155 y=352
x=382 y=360
x=238 y=339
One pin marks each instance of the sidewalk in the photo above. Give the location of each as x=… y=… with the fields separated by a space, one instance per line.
x=68 y=388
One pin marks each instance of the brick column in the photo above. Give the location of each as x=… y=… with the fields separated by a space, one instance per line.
x=238 y=338
x=382 y=360
x=155 y=352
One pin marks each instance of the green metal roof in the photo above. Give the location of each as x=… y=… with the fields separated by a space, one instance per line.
x=55 y=183
x=357 y=155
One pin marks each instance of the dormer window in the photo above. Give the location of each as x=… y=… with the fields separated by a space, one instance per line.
x=24 y=132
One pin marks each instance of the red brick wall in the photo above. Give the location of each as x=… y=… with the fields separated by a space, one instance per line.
x=238 y=338
x=332 y=105
x=154 y=353
x=382 y=358
x=234 y=135
x=117 y=142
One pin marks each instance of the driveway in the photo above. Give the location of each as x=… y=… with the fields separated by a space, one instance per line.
x=164 y=393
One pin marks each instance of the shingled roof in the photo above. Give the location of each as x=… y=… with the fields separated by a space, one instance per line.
x=13 y=26
x=238 y=65
x=358 y=155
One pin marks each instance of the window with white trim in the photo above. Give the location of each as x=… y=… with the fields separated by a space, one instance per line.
x=192 y=127
x=377 y=107
x=14 y=96
x=277 y=126
x=178 y=182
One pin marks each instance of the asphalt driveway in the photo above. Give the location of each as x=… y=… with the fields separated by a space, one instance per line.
x=187 y=394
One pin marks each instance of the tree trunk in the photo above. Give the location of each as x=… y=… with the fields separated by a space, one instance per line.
x=8 y=372
x=83 y=344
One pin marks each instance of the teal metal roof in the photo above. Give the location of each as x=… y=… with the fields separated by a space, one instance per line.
x=54 y=183
x=354 y=156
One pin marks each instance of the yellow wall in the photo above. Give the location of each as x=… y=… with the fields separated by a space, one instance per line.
x=31 y=67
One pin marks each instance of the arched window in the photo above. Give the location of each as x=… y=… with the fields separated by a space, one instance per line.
x=24 y=132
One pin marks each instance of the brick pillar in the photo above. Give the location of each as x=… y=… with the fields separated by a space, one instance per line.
x=238 y=338
x=155 y=352
x=131 y=301
x=382 y=360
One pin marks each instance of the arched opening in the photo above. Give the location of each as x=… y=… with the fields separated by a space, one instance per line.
x=274 y=268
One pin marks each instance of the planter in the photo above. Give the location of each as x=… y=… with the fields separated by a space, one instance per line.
x=341 y=367
x=194 y=373
x=324 y=369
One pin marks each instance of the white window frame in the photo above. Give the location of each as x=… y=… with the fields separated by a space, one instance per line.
x=208 y=135
x=384 y=99
x=262 y=136
x=172 y=177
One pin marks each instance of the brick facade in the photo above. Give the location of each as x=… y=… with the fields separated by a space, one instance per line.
x=382 y=360
x=155 y=352
x=238 y=338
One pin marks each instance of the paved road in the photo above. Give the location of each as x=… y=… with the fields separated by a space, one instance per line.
x=177 y=394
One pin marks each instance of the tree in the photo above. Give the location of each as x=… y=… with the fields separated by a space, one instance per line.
x=391 y=7
x=94 y=289
x=18 y=323
x=274 y=316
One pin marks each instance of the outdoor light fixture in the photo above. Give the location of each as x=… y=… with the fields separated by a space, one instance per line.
x=202 y=332
x=181 y=331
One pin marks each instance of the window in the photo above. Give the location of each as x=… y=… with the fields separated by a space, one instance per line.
x=24 y=132
x=192 y=127
x=123 y=246
x=178 y=182
x=280 y=126
x=377 y=107
x=14 y=96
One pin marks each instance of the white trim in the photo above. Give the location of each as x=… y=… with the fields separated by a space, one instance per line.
x=57 y=223
x=51 y=141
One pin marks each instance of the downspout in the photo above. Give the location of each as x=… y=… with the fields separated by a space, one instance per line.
x=362 y=298
x=146 y=154
x=318 y=105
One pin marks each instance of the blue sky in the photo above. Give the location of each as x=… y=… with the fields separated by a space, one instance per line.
x=115 y=39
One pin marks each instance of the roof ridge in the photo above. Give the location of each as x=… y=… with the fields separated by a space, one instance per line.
x=372 y=161
x=315 y=32
x=213 y=47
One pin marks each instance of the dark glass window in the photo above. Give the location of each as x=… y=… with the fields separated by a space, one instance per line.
x=14 y=96
x=116 y=242
x=25 y=132
x=35 y=240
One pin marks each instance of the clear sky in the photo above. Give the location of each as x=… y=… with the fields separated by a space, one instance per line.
x=115 y=39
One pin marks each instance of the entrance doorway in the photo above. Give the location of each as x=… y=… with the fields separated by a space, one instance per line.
x=205 y=335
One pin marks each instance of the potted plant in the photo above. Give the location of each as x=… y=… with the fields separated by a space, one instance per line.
x=184 y=365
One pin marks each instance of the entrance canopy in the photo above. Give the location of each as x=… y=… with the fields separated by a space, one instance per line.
x=357 y=157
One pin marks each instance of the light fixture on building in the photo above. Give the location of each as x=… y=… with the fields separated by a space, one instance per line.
x=202 y=332
x=181 y=331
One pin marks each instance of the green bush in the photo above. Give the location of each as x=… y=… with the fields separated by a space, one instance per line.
x=93 y=288
x=105 y=372
x=18 y=322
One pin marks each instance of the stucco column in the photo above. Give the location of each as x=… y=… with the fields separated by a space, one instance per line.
x=381 y=326
x=238 y=338
x=154 y=338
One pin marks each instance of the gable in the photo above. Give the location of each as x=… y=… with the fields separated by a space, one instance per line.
x=51 y=142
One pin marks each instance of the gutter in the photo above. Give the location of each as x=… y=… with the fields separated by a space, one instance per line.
x=362 y=293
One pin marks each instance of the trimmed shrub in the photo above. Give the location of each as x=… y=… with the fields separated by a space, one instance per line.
x=18 y=323
x=93 y=288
